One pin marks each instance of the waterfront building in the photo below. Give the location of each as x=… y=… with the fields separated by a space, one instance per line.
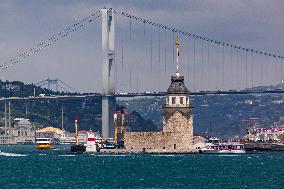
x=50 y=132
x=177 y=133
x=5 y=139
x=59 y=136
x=70 y=138
x=23 y=131
x=270 y=134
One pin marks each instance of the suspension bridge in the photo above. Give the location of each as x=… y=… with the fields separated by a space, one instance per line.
x=139 y=55
x=56 y=83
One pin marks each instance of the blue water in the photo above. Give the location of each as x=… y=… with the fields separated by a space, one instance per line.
x=58 y=169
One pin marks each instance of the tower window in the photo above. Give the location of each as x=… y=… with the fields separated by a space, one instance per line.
x=181 y=100
x=173 y=100
x=175 y=146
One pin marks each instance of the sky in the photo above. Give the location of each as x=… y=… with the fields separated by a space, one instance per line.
x=76 y=59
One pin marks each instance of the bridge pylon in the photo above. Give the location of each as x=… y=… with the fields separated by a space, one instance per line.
x=108 y=74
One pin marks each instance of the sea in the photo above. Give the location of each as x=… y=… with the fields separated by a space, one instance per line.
x=25 y=167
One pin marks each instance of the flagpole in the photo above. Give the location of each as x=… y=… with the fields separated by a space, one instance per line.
x=177 y=44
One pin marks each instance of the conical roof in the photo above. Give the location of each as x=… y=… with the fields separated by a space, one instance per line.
x=177 y=85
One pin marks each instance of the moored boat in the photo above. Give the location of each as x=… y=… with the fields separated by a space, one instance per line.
x=44 y=144
x=216 y=147
x=77 y=148
x=91 y=146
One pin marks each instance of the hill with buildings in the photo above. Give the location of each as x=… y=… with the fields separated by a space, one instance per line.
x=48 y=113
x=223 y=116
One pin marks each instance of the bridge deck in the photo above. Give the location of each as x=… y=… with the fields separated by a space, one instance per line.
x=144 y=94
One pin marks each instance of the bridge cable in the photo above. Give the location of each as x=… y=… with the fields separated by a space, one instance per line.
x=159 y=38
x=266 y=68
x=165 y=51
x=144 y=29
x=240 y=70
x=252 y=70
x=130 y=77
x=223 y=67
x=188 y=55
x=130 y=28
x=40 y=82
x=174 y=42
x=278 y=70
x=282 y=74
x=50 y=41
x=217 y=67
x=274 y=67
x=262 y=60
x=137 y=79
x=165 y=57
x=246 y=62
x=194 y=66
x=231 y=68
x=208 y=61
x=279 y=75
x=202 y=64
x=64 y=83
x=195 y=36
x=122 y=55
x=151 y=54
x=165 y=27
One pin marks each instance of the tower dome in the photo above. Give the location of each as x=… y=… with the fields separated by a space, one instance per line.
x=177 y=85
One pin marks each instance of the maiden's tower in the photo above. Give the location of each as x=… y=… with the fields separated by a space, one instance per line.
x=177 y=133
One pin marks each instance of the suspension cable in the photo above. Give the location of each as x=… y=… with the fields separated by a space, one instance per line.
x=144 y=29
x=217 y=67
x=151 y=53
x=122 y=54
x=231 y=66
x=159 y=46
x=174 y=42
x=188 y=61
x=202 y=65
x=246 y=62
x=252 y=70
x=130 y=28
x=282 y=74
x=50 y=41
x=237 y=62
x=165 y=27
x=223 y=68
x=194 y=65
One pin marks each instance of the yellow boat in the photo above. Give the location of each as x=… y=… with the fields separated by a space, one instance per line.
x=44 y=144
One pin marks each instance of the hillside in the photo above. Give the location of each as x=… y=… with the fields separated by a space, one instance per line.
x=223 y=116
x=48 y=113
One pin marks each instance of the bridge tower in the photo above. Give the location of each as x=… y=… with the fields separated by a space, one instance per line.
x=108 y=82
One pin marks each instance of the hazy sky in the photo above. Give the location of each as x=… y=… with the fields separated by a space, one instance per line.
x=76 y=59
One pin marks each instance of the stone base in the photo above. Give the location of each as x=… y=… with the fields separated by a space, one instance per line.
x=158 y=142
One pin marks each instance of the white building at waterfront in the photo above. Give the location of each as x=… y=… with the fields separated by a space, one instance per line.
x=23 y=131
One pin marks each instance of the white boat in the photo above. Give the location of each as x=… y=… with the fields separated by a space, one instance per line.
x=44 y=144
x=91 y=146
x=216 y=147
